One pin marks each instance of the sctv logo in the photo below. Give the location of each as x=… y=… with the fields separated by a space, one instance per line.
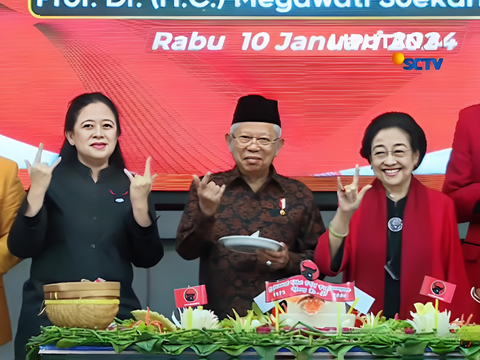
x=417 y=63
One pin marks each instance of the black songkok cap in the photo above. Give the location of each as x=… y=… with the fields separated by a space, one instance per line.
x=256 y=108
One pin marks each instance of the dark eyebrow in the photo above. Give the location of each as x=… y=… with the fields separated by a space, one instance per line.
x=383 y=146
x=84 y=121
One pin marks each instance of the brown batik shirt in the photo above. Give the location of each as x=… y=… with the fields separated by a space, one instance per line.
x=233 y=279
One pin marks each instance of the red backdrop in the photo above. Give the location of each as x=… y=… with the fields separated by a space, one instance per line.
x=176 y=106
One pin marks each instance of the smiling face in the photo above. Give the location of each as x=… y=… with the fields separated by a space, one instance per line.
x=392 y=158
x=252 y=158
x=94 y=135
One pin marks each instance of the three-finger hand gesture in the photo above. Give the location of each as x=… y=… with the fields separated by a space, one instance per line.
x=209 y=194
x=40 y=173
x=349 y=197
x=140 y=186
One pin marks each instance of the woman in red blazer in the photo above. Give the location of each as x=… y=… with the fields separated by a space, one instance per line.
x=462 y=184
x=387 y=239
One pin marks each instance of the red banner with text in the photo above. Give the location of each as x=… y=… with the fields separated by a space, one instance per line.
x=299 y=286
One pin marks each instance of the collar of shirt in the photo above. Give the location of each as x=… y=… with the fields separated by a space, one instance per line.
x=85 y=172
x=396 y=208
x=232 y=176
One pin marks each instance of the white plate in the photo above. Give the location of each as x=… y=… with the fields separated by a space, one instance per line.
x=248 y=244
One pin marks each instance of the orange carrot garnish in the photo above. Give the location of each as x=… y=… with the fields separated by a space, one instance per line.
x=158 y=324
x=147 y=316
x=468 y=320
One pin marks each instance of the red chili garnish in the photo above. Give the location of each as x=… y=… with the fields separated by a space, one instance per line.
x=147 y=316
x=409 y=331
x=264 y=330
x=327 y=329
x=158 y=324
x=302 y=331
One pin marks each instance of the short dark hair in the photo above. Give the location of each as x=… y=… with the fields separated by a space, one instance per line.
x=399 y=120
x=69 y=152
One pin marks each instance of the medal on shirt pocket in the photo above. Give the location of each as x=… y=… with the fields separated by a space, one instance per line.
x=119 y=197
x=277 y=214
x=282 y=204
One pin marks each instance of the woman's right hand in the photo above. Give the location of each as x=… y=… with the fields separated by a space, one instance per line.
x=349 y=198
x=40 y=173
x=40 y=177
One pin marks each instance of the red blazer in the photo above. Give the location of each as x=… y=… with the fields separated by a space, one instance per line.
x=430 y=246
x=462 y=184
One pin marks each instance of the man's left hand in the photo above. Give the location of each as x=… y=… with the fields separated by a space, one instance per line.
x=276 y=260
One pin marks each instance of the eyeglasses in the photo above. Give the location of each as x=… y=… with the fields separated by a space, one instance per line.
x=246 y=140
x=382 y=154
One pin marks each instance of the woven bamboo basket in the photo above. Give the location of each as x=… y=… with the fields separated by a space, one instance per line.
x=82 y=304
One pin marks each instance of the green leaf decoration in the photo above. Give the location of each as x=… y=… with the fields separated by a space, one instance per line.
x=205 y=350
x=174 y=349
x=443 y=349
x=339 y=350
x=310 y=351
x=67 y=343
x=119 y=348
x=146 y=346
x=384 y=351
x=256 y=310
x=247 y=321
x=158 y=348
x=412 y=347
x=473 y=352
x=32 y=354
x=235 y=350
x=267 y=352
x=469 y=333
x=343 y=350
x=143 y=337
x=381 y=341
x=295 y=349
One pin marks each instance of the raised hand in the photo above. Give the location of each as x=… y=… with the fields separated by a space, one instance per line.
x=40 y=177
x=209 y=194
x=349 y=198
x=140 y=186
x=40 y=173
